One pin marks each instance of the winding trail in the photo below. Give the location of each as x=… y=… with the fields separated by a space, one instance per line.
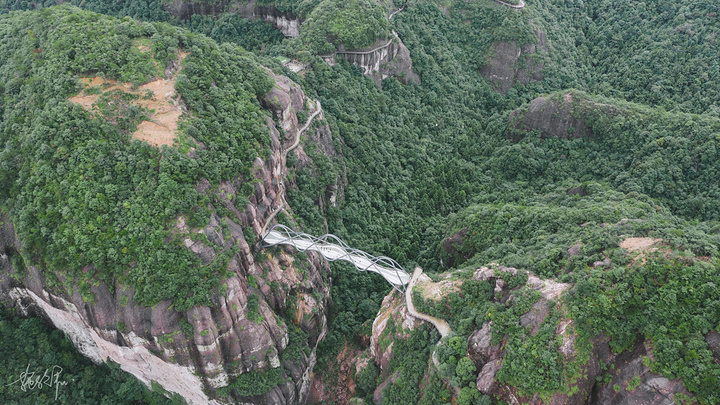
x=318 y=110
x=442 y=326
x=281 y=191
x=396 y=11
x=382 y=265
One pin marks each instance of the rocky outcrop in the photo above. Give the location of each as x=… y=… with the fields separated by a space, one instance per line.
x=393 y=321
x=511 y=63
x=383 y=59
x=713 y=341
x=288 y=24
x=184 y=10
x=633 y=383
x=378 y=394
x=603 y=377
x=399 y=66
x=489 y=357
x=553 y=117
x=451 y=249
x=193 y=353
x=341 y=388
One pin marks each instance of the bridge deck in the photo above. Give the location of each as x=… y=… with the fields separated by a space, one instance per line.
x=386 y=267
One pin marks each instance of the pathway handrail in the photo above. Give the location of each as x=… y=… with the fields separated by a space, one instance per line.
x=290 y=237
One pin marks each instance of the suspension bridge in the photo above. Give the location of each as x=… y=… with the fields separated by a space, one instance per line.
x=333 y=248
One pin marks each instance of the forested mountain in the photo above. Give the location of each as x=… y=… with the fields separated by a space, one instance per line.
x=554 y=170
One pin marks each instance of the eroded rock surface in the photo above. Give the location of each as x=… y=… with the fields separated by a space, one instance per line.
x=288 y=24
x=393 y=321
x=383 y=59
x=553 y=118
x=633 y=383
x=512 y=63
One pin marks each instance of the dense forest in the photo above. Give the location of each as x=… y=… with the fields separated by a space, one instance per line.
x=423 y=163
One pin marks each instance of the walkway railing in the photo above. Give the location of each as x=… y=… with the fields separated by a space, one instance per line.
x=334 y=248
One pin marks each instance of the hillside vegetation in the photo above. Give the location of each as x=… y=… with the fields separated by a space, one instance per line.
x=449 y=175
x=87 y=201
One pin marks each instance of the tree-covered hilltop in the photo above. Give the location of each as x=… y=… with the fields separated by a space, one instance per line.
x=353 y=24
x=327 y=24
x=250 y=34
x=88 y=201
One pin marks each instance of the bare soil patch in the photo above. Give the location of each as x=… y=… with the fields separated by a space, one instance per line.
x=158 y=96
x=648 y=245
x=436 y=291
x=642 y=246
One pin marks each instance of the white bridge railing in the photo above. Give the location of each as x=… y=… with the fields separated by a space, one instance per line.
x=333 y=248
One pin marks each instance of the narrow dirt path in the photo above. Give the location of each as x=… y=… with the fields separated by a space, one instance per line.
x=442 y=326
x=395 y=12
x=281 y=191
x=318 y=110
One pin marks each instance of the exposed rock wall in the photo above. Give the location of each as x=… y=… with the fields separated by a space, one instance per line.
x=511 y=63
x=384 y=59
x=184 y=10
x=591 y=386
x=552 y=117
x=652 y=388
x=393 y=321
x=287 y=24
x=152 y=344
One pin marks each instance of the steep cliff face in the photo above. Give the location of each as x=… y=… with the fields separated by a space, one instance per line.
x=246 y=329
x=552 y=117
x=383 y=59
x=288 y=24
x=567 y=115
x=392 y=322
x=186 y=9
x=511 y=63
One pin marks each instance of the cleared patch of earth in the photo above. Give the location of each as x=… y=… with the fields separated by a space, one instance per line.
x=436 y=291
x=158 y=96
x=648 y=245
x=641 y=246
